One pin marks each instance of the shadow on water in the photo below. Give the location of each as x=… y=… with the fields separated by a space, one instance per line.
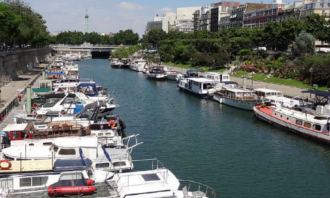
x=223 y=147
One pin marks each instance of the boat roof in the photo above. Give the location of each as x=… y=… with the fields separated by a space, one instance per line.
x=15 y=127
x=324 y=94
x=238 y=90
x=29 y=166
x=157 y=181
x=76 y=142
x=266 y=90
x=61 y=165
x=202 y=80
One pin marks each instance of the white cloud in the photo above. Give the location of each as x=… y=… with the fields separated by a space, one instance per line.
x=129 y=5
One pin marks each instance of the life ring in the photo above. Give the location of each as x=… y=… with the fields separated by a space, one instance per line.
x=34 y=106
x=112 y=124
x=5 y=167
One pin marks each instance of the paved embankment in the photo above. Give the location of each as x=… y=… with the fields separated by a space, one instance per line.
x=9 y=100
x=287 y=90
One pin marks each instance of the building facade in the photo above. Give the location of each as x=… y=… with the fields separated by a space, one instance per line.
x=220 y=10
x=226 y=14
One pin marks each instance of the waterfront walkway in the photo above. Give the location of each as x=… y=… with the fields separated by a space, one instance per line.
x=9 y=105
x=286 y=90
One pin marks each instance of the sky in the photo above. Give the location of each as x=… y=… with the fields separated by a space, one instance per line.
x=105 y=16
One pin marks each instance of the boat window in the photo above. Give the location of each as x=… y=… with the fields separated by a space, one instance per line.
x=307 y=124
x=67 y=152
x=47 y=143
x=39 y=181
x=116 y=164
x=71 y=176
x=299 y=122
x=320 y=118
x=317 y=127
x=25 y=182
x=328 y=126
x=102 y=165
x=150 y=177
x=31 y=144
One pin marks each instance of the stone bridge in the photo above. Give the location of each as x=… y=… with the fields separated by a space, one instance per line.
x=85 y=49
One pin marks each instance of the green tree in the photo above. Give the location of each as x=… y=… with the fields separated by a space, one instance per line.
x=153 y=37
x=304 y=44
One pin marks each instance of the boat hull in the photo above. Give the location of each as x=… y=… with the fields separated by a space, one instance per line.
x=156 y=76
x=268 y=117
x=245 y=105
x=201 y=95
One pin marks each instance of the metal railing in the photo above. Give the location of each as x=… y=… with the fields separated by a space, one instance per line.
x=198 y=190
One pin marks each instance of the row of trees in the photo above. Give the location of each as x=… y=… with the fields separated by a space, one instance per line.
x=20 y=26
x=125 y=37
x=288 y=43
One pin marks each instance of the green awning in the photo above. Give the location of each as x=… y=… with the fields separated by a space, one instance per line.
x=41 y=90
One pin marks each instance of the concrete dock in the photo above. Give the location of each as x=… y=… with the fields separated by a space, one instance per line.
x=10 y=105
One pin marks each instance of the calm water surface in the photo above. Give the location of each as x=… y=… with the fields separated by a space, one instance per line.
x=223 y=147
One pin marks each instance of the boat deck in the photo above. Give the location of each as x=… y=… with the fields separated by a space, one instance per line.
x=29 y=166
x=103 y=190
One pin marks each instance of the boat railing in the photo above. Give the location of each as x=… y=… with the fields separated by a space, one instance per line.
x=197 y=189
x=147 y=164
x=125 y=180
x=131 y=142
x=6 y=185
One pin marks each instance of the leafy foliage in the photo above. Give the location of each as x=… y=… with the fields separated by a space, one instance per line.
x=248 y=45
x=125 y=37
x=20 y=26
x=125 y=52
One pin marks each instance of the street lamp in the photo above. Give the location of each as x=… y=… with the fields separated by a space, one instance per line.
x=311 y=81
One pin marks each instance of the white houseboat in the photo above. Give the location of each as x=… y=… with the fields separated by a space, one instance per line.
x=277 y=98
x=237 y=97
x=202 y=87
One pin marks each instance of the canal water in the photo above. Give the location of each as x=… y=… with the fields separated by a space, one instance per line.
x=203 y=141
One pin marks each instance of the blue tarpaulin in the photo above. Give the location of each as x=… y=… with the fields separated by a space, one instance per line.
x=88 y=88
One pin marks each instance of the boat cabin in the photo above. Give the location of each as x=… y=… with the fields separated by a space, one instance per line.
x=264 y=92
x=222 y=78
x=18 y=131
x=238 y=94
x=152 y=183
x=200 y=86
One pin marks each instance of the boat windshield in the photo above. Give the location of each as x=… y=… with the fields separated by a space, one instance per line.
x=50 y=102
x=208 y=85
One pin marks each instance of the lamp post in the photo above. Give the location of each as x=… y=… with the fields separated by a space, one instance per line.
x=311 y=80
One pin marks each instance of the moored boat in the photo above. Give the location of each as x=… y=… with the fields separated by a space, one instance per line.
x=312 y=124
x=237 y=97
x=157 y=73
x=116 y=63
